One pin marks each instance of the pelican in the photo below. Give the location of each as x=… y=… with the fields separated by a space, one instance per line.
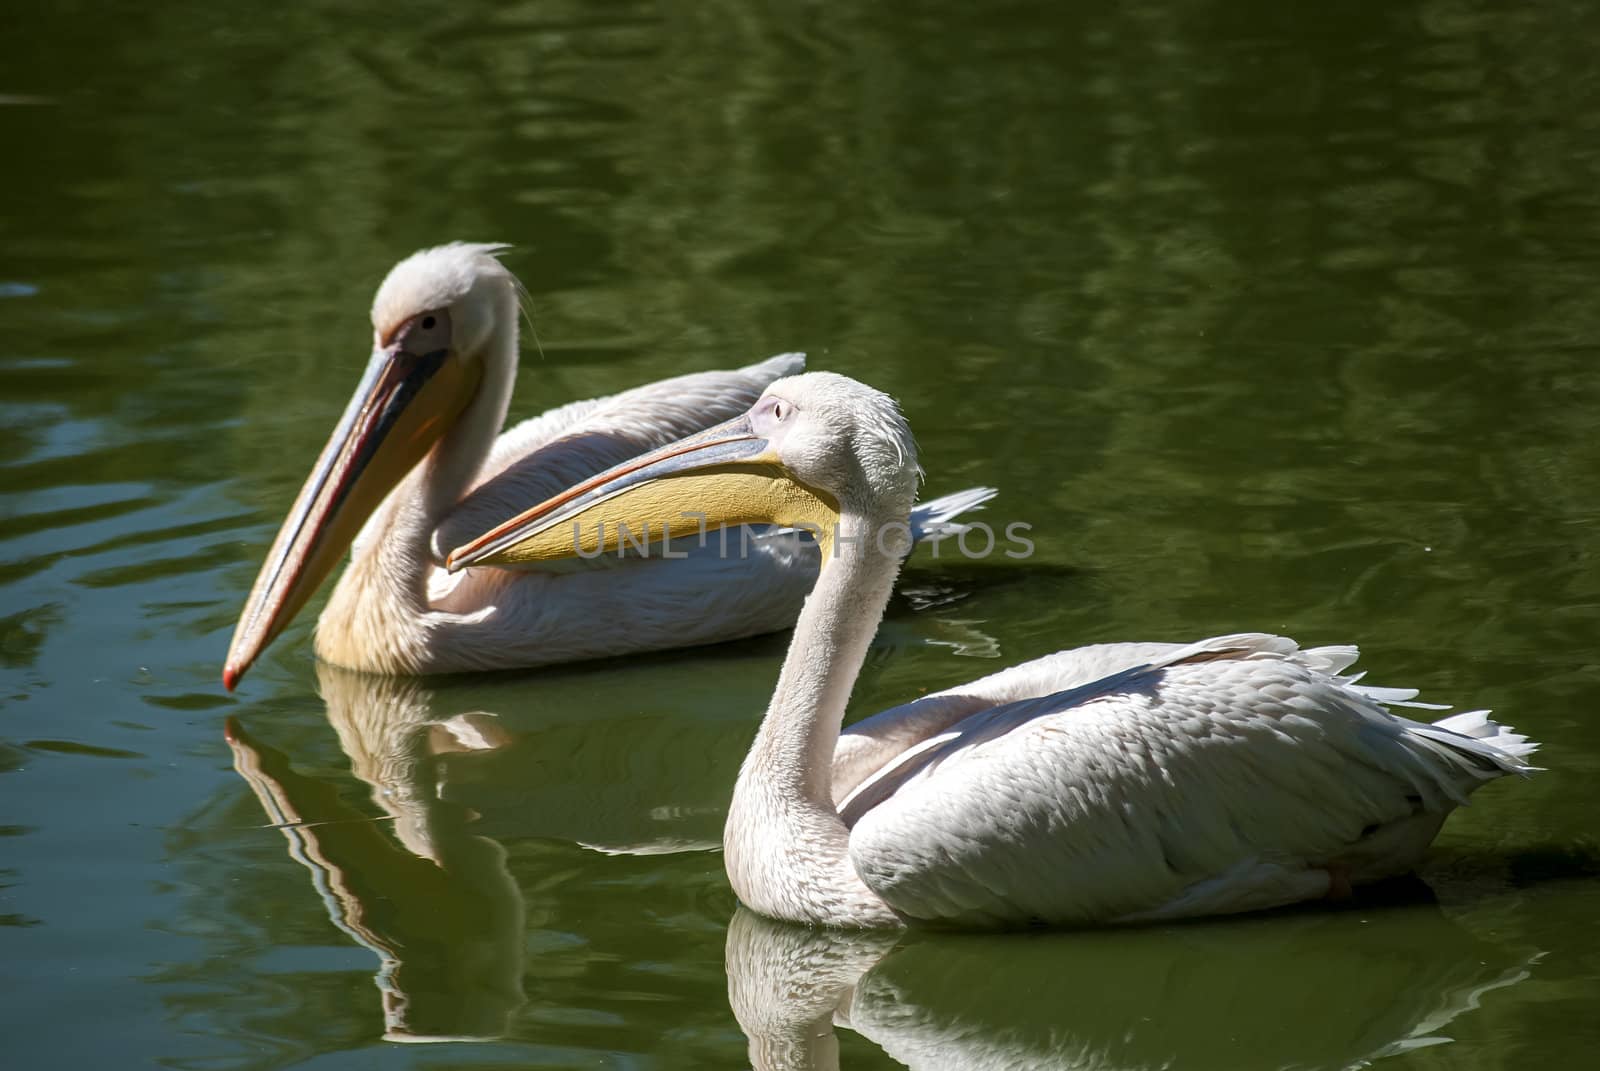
x=1114 y=783
x=414 y=466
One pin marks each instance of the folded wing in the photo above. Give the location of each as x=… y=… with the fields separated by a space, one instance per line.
x=1240 y=760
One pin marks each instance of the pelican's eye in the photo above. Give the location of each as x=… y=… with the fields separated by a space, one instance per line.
x=427 y=332
x=769 y=413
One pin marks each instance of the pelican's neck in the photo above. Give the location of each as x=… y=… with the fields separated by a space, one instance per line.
x=787 y=849
x=375 y=619
x=451 y=468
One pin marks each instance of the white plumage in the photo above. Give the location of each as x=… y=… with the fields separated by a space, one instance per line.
x=1237 y=773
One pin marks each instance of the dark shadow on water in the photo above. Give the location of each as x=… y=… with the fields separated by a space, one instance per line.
x=1545 y=863
x=1530 y=866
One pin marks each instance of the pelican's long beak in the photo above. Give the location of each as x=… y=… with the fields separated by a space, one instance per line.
x=405 y=402
x=726 y=475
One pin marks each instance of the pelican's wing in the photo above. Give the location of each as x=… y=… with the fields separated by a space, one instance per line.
x=870 y=744
x=1204 y=781
x=551 y=452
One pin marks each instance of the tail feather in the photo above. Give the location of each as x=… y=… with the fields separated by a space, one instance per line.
x=1477 y=725
x=1474 y=741
x=931 y=521
x=1471 y=741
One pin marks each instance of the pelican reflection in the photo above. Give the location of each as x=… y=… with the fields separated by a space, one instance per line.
x=423 y=880
x=1339 y=989
x=429 y=896
x=636 y=759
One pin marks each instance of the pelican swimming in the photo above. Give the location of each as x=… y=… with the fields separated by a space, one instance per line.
x=414 y=467
x=1114 y=783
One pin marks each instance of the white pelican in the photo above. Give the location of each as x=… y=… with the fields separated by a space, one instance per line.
x=1113 y=783
x=415 y=459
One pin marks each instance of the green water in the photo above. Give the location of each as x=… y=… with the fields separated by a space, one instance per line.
x=1265 y=316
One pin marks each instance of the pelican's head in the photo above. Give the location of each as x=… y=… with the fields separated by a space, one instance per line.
x=814 y=448
x=835 y=433
x=434 y=322
x=462 y=282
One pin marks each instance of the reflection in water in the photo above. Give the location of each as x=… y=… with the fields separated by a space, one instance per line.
x=438 y=907
x=429 y=891
x=1293 y=990
x=632 y=758
x=434 y=899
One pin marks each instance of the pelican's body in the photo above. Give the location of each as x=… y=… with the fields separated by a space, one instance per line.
x=418 y=465
x=1115 y=783
x=1142 y=781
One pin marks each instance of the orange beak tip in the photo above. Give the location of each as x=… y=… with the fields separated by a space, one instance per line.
x=230 y=677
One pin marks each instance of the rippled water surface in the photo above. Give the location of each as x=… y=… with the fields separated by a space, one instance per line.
x=1266 y=316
